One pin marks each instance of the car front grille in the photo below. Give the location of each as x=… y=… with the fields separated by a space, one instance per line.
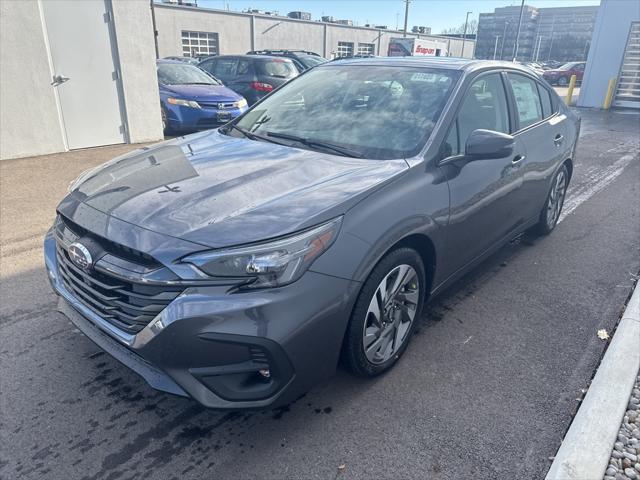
x=219 y=105
x=127 y=304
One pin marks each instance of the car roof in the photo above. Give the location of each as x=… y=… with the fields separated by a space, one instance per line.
x=171 y=60
x=452 y=63
x=254 y=57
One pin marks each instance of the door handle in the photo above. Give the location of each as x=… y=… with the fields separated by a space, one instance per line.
x=59 y=79
x=558 y=140
x=518 y=159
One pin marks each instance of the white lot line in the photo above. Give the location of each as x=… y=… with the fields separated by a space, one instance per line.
x=596 y=181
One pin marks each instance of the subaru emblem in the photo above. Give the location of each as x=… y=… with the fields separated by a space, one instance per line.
x=80 y=256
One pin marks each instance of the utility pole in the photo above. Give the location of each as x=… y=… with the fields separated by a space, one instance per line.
x=515 y=50
x=406 y=17
x=495 y=48
x=397 y=20
x=464 y=35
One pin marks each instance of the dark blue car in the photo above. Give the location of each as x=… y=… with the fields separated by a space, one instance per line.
x=191 y=99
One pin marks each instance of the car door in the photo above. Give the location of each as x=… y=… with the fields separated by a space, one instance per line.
x=483 y=193
x=542 y=130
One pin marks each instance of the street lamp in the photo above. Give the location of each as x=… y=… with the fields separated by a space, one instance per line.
x=466 y=22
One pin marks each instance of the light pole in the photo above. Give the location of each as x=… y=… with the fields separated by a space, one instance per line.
x=495 y=48
x=464 y=35
x=515 y=50
x=406 y=17
x=537 y=49
x=504 y=37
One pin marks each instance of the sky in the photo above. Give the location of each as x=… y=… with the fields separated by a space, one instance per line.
x=437 y=14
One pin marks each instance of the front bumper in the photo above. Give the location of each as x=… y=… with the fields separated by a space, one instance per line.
x=209 y=344
x=183 y=118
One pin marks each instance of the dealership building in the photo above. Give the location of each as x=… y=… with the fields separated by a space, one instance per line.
x=185 y=30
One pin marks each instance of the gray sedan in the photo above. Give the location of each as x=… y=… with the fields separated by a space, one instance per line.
x=237 y=266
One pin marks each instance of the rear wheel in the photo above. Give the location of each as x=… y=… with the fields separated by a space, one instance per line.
x=385 y=314
x=563 y=82
x=553 y=206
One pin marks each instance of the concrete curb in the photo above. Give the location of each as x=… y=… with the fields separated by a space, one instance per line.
x=586 y=448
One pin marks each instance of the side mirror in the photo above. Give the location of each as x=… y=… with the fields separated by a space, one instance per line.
x=487 y=144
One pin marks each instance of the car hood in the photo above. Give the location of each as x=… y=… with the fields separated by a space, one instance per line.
x=218 y=190
x=215 y=93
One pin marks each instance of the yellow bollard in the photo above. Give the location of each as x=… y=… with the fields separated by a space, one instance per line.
x=607 y=100
x=572 y=84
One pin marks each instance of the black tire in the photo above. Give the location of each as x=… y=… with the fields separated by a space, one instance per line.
x=546 y=223
x=563 y=81
x=354 y=356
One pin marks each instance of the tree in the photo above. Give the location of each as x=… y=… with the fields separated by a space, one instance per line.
x=472 y=28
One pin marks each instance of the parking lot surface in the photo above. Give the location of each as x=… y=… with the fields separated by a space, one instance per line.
x=486 y=389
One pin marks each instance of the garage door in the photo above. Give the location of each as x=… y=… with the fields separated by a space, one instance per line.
x=628 y=88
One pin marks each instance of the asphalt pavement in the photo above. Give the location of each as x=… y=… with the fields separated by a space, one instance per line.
x=486 y=389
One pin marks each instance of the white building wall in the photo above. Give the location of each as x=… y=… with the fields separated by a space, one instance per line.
x=607 y=49
x=29 y=120
x=236 y=35
x=136 y=49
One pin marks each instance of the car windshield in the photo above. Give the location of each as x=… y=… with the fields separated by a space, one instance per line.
x=376 y=112
x=183 y=74
x=278 y=68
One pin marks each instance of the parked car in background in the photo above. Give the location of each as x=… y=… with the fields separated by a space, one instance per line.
x=192 y=100
x=562 y=75
x=189 y=60
x=302 y=59
x=537 y=68
x=237 y=266
x=252 y=76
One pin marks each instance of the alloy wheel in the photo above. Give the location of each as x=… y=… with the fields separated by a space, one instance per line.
x=556 y=199
x=391 y=312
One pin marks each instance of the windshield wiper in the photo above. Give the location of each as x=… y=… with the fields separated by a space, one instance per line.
x=345 y=152
x=249 y=135
x=198 y=83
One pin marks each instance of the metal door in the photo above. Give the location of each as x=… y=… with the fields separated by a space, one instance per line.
x=84 y=71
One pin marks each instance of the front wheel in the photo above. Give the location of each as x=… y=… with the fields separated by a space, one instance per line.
x=385 y=314
x=563 y=82
x=553 y=205
x=166 y=126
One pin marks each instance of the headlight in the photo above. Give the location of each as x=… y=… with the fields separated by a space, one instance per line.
x=241 y=103
x=270 y=264
x=184 y=103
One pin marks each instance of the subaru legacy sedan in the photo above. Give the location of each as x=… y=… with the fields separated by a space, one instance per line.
x=238 y=266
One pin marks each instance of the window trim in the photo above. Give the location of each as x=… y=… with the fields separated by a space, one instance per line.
x=554 y=103
x=510 y=116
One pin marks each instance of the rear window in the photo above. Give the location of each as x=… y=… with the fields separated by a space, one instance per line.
x=278 y=68
x=311 y=60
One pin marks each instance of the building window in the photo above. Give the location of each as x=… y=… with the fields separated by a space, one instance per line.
x=365 y=49
x=199 y=43
x=345 y=49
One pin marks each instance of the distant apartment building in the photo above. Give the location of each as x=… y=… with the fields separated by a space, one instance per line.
x=561 y=33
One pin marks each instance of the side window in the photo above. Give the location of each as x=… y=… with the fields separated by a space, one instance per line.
x=208 y=66
x=244 y=67
x=225 y=67
x=485 y=106
x=545 y=97
x=450 y=146
x=527 y=99
x=580 y=67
